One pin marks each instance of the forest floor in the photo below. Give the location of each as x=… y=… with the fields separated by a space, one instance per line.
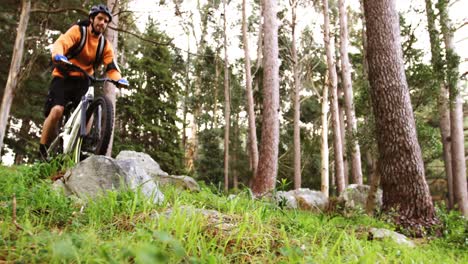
x=41 y=225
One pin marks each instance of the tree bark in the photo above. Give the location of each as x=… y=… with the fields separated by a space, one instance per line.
x=265 y=179
x=351 y=128
x=332 y=82
x=296 y=101
x=444 y=113
x=15 y=65
x=400 y=163
x=227 y=106
x=325 y=174
x=456 y=112
x=249 y=94
x=341 y=113
x=113 y=37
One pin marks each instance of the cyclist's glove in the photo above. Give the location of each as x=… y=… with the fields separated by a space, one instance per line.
x=122 y=83
x=59 y=58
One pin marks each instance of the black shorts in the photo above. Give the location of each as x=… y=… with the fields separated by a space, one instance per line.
x=62 y=91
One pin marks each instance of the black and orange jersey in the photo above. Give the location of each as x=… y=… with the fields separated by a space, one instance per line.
x=85 y=59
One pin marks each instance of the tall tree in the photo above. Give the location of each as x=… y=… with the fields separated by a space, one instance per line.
x=444 y=113
x=253 y=148
x=324 y=146
x=400 y=161
x=149 y=113
x=112 y=36
x=332 y=82
x=265 y=179
x=456 y=111
x=351 y=124
x=15 y=65
x=227 y=105
x=296 y=98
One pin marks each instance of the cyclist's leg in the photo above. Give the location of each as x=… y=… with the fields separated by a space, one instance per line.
x=53 y=111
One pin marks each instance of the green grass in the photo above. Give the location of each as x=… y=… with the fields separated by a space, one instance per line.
x=125 y=227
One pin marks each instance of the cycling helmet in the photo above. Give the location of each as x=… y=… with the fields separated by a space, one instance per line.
x=100 y=9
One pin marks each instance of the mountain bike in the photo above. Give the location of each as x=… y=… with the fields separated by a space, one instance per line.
x=86 y=129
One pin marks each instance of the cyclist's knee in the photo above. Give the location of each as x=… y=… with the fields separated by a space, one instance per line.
x=56 y=112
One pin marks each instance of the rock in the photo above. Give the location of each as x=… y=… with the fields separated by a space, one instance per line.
x=380 y=233
x=214 y=218
x=185 y=182
x=138 y=178
x=97 y=174
x=355 y=196
x=144 y=161
x=152 y=168
x=94 y=176
x=304 y=199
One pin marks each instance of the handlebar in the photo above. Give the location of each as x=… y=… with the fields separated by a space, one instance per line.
x=70 y=66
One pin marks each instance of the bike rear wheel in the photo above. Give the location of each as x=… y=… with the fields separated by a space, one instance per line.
x=99 y=124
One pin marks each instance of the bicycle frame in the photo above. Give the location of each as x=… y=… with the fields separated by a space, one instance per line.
x=77 y=119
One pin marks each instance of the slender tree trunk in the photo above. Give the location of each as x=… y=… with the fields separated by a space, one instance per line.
x=374 y=186
x=456 y=112
x=444 y=113
x=341 y=113
x=112 y=36
x=332 y=81
x=15 y=65
x=186 y=92
x=249 y=94
x=296 y=102
x=400 y=160
x=227 y=106
x=215 y=107
x=265 y=179
x=356 y=171
x=198 y=83
x=235 y=157
x=325 y=174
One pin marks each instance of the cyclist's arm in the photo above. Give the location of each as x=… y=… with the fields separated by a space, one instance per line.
x=66 y=41
x=112 y=69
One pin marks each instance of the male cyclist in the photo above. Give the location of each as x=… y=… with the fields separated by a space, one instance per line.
x=85 y=47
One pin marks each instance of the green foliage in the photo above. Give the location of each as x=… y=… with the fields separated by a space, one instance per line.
x=124 y=226
x=455 y=228
x=210 y=163
x=148 y=116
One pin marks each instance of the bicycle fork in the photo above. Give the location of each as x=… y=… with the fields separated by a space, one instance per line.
x=85 y=101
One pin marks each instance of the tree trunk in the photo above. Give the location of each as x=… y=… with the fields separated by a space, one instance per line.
x=456 y=112
x=296 y=102
x=216 y=84
x=325 y=174
x=444 y=114
x=184 y=103
x=249 y=94
x=265 y=179
x=341 y=113
x=356 y=171
x=16 y=59
x=235 y=156
x=113 y=37
x=400 y=163
x=332 y=81
x=374 y=186
x=227 y=106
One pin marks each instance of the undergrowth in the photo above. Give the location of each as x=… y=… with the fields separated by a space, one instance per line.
x=204 y=227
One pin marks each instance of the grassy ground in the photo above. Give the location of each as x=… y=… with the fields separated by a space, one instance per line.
x=123 y=227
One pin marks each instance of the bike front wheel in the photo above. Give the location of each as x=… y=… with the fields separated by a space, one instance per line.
x=99 y=124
